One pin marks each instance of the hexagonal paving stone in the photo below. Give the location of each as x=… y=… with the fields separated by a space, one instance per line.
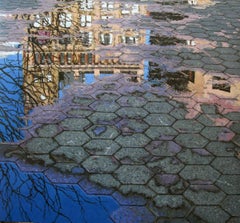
x=105 y=106
x=102 y=117
x=235 y=126
x=212 y=120
x=48 y=130
x=69 y=154
x=132 y=101
x=191 y=140
x=83 y=100
x=213 y=214
x=158 y=107
x=75 y=123
x=221 y=148
x=127 y=125
x=236 y=139
x=132 y=155
x=40 y=145
x=72 y=138
x=167 y=165
x=226 y=165
x=195 y=156
x=102 y=132
x=163 y=148
x=133 y=174
x=106 y=180
x=101 y=147
x=131 y=112
x=100 y=164
x=232 y=204
x=204 y=194
x=172 y=201
x=230 y=184
x=134 y=140
x=188 y=126
x=218 y=133
x=161 y=132
x=142 y=190
x=179 y=113
x=199 y=172
x=160 y=119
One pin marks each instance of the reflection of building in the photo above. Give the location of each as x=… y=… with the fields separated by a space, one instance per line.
x=61 y=45
x=203 y=85
x=199 y=2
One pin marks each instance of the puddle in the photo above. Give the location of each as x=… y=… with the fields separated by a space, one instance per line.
x=83 y=42
x=86 y=71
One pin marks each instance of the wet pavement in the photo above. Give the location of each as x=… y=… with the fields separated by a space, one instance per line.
x=120 y=111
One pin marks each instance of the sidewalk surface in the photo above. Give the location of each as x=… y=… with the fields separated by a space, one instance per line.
x=154 y=152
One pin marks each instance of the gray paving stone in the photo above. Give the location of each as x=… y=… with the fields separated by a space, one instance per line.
x=101 y=147
x=69 y=154
x=131 y=112
x=75 y=123
x=159 y=189
x=40 y=145
x=169 y=165
x=191 y=140
x=142 y=190
x=188 y=126
x=102 y=117
x=163 y=148
x=201 y=196
x=213 y=214
x=102 y=132
x=195 y=156
x=48 y=130
x=134 y=140
x=83 y=100
x=159 y=119
x=72 y=138
x=131 y=101
x=128 y=126
x=199 y=172
x=236 y=140
x=231 y=204
x=100 y=164
x=133 y=174
x=217 y=133
x=159 y=132
x=226 y=165
x=105 y=180
x=230 y=184
x=132 y=155
x=221 y=148
x=158 y=107
x=105 y=106
x=178 y=113
x=172 y=201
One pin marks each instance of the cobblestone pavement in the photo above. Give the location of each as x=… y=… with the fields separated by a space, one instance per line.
x=162 y=154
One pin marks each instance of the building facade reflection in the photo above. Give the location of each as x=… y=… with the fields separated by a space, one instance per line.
x=61 y=47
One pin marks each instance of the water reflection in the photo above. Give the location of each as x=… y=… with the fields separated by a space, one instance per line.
x=32 y=197
x=60 y=47
x=85 y=40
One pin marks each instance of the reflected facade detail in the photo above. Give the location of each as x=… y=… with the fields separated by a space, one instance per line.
x=61 y=47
